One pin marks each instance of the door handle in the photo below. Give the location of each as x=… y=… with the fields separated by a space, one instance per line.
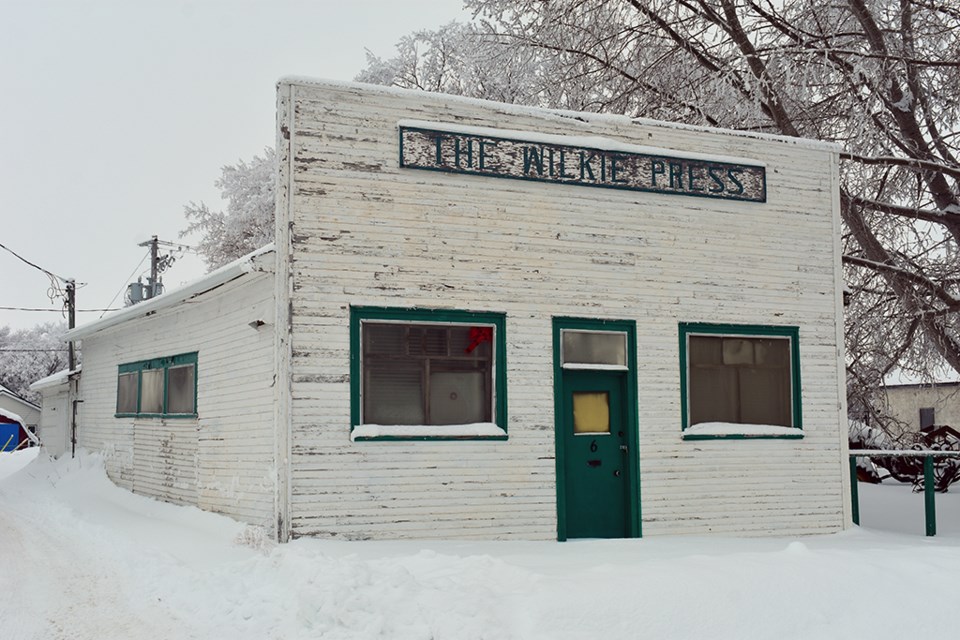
x=624 y=448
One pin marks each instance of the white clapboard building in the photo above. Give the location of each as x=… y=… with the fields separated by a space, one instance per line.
x=488 y=321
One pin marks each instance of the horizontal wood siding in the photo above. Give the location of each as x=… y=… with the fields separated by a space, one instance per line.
x=165 y=460
x=54 y=427
x=362 y=231
x=222 y=460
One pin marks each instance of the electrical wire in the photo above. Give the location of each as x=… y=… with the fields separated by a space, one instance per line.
x=56 y=310
x=54 y=291
x=50 y=274
x=126 y=281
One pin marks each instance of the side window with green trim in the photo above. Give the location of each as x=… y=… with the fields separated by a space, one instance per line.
x=427 y=368
x=740 y=374
x=161 y=387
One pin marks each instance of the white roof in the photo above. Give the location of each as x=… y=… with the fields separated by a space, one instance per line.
x=7 y=392
x=10 y=415
x=940 y=373
x=54 y=379
x=253 y=261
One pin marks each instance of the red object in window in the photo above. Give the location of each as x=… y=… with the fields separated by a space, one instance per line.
x=479 y=335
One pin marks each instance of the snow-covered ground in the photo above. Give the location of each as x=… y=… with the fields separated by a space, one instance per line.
x=83 y=559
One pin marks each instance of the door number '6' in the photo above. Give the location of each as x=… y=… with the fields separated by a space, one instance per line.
x=593 y=446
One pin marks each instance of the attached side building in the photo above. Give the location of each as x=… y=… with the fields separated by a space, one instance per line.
x=178 y=392
x=58 y=398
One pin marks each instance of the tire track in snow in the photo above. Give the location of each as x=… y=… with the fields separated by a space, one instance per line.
x=57 y=589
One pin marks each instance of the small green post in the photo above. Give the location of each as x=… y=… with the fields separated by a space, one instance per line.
x=928 y=496
x=854 y=491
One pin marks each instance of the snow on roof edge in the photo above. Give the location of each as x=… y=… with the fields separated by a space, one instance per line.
x=53 y=379
x=10 y=415
x=582 y=117
x=6 y=391
x=215 y=278
x=940 y=374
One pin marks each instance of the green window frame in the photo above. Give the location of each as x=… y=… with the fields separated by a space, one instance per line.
x=419 y=319
x=755 y=335
x=148 y=388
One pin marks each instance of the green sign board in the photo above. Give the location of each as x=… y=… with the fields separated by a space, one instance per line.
x=498 y=157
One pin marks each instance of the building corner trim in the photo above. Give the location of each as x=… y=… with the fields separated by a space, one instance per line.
x=282 y=287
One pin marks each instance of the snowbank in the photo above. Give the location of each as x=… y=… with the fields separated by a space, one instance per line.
x=84 y=559
x=13 y=461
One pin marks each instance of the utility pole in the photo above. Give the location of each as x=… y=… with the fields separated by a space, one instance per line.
x=159 y=264
x=72 y=361
x=71 y=320
x=152 y=288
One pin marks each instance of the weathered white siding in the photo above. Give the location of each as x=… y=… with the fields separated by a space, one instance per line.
x=361 y=231
x=54 y=427
x=221 y=461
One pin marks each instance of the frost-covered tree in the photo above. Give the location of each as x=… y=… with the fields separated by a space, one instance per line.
x=879 y=77
x=458 y=59
x=247 y=222
x=26 y=355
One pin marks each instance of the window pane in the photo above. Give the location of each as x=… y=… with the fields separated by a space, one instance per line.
x=383 y=338
x=765 y=396
x=180 y=389
x=127 y=392
x=594 y=347
x=713 y=395
x=393 y=393
x=472 y=342
x=426 y=373
x=773 y=352
x=737 y=351
x=458 y=398
x=427 y=340
x=151 y=391
x=705 y=350
x=591 y=412
x=739 y=380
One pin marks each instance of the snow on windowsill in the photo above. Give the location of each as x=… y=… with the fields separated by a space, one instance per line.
x=581 y=366
x=730 y=429
x=475 y=430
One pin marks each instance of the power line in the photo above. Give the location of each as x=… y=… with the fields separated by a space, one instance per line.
x=37 y=267
x=55 y=290
x=127 y=280
x=33 y=350
x=57 y=310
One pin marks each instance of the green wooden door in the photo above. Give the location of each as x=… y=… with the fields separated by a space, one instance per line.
x=595 y=455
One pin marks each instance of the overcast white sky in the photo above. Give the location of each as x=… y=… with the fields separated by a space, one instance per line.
x=116 y=113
